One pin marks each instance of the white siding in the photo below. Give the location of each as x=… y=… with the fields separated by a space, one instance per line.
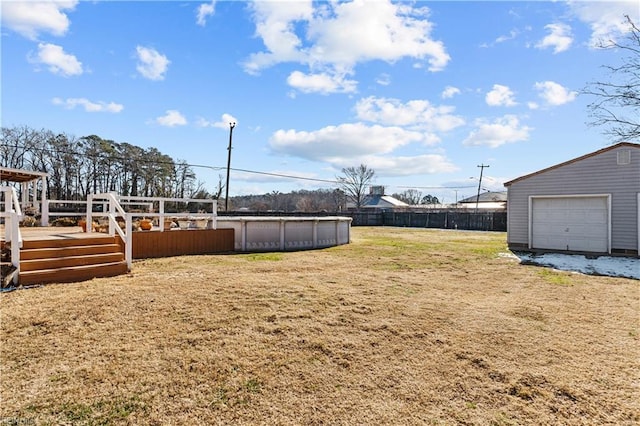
x=595 y=174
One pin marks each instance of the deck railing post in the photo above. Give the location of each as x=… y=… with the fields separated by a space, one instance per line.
x=45 y=213
x=128 y=242
x=89 y=219
x=12 y=215
x=112 y=216
x=161 y=218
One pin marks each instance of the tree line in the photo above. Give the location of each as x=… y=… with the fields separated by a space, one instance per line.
x=91 y=164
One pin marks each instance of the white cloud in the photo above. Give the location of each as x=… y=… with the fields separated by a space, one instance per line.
x=559 y=38
x=383 y=79
x=450 y=92
x=555 y=94
x=275 y=25
x=401 y=166
x=500 y=96
x=29 y=18
x=223 y=123
x=333 y=37
x=503 y=130
x=512 y=34
x=171 y=118
x=204 y=11
x=323 y=83
x=345 y=141
x=418 y=113
x=58 y=61
x=605 y=18
x=89 y=106
x=151 y=63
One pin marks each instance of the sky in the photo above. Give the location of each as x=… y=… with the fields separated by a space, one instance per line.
x=421 y=92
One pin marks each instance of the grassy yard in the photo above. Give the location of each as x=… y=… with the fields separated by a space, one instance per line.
x=402 y=326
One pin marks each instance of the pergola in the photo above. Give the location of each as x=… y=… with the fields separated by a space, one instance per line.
x=27 y=179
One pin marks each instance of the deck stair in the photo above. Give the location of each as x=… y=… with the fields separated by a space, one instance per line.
x=70 y=259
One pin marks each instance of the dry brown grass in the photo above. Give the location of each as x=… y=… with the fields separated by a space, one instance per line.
x=403 y=326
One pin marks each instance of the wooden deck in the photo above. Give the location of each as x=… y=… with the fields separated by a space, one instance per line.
x=146 y=244
x=65 y=254
x=52 y=233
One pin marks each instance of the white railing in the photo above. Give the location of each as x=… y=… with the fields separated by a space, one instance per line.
x=162 y=214
x=12 y=215
x=114 y=209
x=47 y=213
x=111 y=205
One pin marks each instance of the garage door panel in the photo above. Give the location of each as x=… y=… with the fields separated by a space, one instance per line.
x=571 y=223
x=596 y=216
x=576 y=216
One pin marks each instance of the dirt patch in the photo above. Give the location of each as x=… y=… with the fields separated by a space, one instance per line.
x=402 y=326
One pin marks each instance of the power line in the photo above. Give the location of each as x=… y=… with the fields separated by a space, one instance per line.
x=217 y=168
x=435 y=187
x=147 y=160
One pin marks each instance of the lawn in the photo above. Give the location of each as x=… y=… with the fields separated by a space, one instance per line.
x=402 y=326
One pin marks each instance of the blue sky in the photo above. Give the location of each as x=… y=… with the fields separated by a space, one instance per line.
x=422 y=92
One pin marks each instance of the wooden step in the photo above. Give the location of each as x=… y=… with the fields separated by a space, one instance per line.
x=44 y=253
x=61 y=258
x=69 y=261
x=68 y=242
x=72 y=274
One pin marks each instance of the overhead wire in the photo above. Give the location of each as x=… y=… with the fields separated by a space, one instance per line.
x=278 y=175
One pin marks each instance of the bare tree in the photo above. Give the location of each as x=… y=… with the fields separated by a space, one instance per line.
x=354 y=183
x=409 y=196
x=217 y=191
x=617 y=103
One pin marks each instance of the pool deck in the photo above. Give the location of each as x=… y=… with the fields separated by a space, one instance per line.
x=53 y=233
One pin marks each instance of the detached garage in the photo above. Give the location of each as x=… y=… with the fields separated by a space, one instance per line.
x=590 y=204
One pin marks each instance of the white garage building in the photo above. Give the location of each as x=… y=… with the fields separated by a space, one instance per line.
x=589 y=204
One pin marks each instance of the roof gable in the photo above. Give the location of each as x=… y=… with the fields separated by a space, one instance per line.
x=592 y=154
x=487 y=197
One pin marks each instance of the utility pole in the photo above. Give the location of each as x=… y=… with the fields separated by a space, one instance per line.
x=226 y=196
x=482 y=166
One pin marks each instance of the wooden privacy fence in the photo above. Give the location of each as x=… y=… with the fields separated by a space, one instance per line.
x=481 y=221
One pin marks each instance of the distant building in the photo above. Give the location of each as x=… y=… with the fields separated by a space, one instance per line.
x=377 y=200
x=489 y=200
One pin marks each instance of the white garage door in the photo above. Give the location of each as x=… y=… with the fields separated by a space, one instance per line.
x=572 y=223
